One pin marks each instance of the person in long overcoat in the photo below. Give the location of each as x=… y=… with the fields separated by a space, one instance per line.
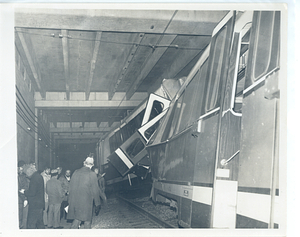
x=65 y=184
x=36 y=199
x=84 y=190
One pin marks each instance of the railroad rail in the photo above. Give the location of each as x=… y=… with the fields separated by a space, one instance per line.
x=123 y=213
x=147 y=214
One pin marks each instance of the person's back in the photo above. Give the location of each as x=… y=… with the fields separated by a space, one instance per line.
x=55 y=197
x=81 y=193
x=54 y=191
x=84 y=190
x=36 y=201
x=35 y=192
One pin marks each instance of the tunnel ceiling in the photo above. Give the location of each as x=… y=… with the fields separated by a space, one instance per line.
x=90 y=68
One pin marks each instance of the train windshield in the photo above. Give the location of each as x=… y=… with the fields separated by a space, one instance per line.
x=156 y=109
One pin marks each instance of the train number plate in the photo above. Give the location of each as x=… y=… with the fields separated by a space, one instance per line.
x=186 y=193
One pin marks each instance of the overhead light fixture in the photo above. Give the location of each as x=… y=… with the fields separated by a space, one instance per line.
x=40 y=139
x=29 y=129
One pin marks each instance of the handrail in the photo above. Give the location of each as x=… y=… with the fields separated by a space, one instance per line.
x=225 y=162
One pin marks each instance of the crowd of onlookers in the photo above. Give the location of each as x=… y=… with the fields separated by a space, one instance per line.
x=46 y=197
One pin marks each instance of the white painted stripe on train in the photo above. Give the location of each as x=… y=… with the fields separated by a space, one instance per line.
x=278 y=213
x=257 y=206
x=222 y=23
x=194 y=193
x=124 y=158
x=202 y=194
x=253 y=205
x=209 y=113
x=259 y=81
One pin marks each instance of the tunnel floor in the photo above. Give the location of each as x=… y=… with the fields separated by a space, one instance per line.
x=119 y=214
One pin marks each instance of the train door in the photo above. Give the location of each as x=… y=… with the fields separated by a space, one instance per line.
x=217 y=67
x=258 y=188
x=228 y=147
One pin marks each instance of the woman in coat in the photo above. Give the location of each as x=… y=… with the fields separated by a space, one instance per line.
x=84 y=190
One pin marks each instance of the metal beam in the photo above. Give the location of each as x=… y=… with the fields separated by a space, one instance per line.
x=80 y=130
x=65 y=45
x=126 y=20
x=77 y=136
x=31 y=58
x=93 y=64
x=68 y=141
x=122 y=74
x=93 y=19
x=83 y=104
x=150 y=63
x=78 y=96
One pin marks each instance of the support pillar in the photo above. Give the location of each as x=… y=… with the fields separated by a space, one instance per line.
x=51 y=151
x=36 y=138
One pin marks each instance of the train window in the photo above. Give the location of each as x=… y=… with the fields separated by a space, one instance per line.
x=168 y=121
x=240 y=80
x=134 y=124
x=135 y=148
x=263 y=44
x=197 y=110
x=177 y=115
x=188 y=102
x=148 y=133
x=157 y=108
x=125 y=132
x=215 y=70
x=112 y=143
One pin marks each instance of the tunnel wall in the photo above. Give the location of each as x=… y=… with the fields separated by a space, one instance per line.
x=25 y=104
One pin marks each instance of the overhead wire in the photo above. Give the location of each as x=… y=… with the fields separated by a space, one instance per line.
x=154 y=46
x=32 y=126
x=30 y=110
x=29 y=117
x=59 y=36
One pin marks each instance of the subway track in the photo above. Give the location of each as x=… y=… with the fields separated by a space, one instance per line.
x=132 y=209
x=121 y=213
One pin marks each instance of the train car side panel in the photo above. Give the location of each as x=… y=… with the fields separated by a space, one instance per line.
x=258 y=171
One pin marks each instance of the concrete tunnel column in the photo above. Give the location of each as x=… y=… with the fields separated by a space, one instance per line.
x=36 y=139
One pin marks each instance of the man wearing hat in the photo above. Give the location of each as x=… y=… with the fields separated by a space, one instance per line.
x=55 y=197
x=36 y=199
x=84 y=190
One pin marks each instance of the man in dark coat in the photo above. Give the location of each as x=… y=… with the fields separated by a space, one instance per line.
x=36 y=199
x=56 y=195
x=84 y=190
x=65 y=184
x=23 y=184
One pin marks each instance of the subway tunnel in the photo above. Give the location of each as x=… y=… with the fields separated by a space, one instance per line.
x=79 y=73
x=178 y=108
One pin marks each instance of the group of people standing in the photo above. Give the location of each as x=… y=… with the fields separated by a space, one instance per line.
x=46 y=197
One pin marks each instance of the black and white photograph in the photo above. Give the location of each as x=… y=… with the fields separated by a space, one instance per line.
x=145 y=119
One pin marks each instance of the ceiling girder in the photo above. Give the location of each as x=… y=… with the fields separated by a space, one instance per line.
x=86 y=104
x=122 y=74
x=93 y=64
x=65 y=46
x=80 y=130
x=31 y=59
x=149 y=63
